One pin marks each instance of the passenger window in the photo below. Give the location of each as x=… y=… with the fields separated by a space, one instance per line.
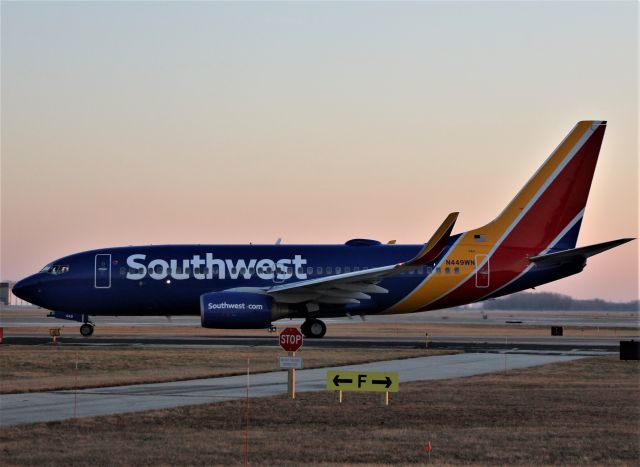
x=438 y=270
x=456 y=270
x=252 y=271
x=429 y=270
x=356 y=268
x=123 y=271
x=319 y=270
x=338 y=270
x=233 y=270
x=347 y=269
x=300 y=271
x=242 y=271
x=447 y=270
x=215 y=270
x=328 y=269
x=310 y=270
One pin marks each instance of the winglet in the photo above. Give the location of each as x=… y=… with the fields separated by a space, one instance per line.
x=436 y=243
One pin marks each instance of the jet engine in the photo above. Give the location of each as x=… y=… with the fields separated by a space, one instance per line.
x=239 y=310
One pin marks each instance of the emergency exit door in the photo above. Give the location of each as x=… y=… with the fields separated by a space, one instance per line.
x=103 y=272
x=483 y=273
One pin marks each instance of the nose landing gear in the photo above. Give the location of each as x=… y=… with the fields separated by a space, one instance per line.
x=313 y=328
x=86 y=329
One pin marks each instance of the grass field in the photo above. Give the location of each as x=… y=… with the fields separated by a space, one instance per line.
x=39 y=368
x=581 y=412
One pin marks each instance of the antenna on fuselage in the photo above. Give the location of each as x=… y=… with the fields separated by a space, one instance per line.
x=278 y=241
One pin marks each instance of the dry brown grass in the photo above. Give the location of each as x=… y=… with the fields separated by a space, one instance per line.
x=581 y=412
x=39 y=368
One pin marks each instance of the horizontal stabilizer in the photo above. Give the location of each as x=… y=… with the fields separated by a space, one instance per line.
x=575 y=254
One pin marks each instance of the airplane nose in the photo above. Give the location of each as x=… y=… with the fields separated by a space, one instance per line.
x=26 y=289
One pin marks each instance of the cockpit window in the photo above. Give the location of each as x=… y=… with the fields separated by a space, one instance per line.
x=55 y=269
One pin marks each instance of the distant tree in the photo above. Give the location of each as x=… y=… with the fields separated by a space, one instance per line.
x=554 y=301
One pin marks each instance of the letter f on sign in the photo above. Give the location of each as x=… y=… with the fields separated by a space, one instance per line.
x=361 y=379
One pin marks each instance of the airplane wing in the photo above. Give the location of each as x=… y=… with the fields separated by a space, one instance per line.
x=574 y=254
x=352 y=287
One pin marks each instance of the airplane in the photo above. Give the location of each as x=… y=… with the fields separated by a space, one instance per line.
x=530 y=243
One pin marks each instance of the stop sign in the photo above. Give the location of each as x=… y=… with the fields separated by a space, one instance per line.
x=290 y=339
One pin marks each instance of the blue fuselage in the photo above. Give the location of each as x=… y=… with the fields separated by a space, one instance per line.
x=169 y=280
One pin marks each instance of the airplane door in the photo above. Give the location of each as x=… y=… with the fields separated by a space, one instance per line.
x=483 y=274
x=103 y=271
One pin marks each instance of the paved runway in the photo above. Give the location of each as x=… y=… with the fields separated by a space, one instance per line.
x=465 y=343
x=16 y=316
x=61 y=405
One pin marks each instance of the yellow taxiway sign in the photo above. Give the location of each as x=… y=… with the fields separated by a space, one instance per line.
x=371 y=381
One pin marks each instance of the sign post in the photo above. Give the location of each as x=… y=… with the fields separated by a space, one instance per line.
x=291 y=379
x=291 y=340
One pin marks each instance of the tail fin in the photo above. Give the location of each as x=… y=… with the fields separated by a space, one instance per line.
x=547 y=212
x=543 y=218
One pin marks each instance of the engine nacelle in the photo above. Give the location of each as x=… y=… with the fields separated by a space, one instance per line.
x=236 y=310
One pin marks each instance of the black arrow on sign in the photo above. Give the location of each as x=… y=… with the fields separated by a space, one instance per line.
x=337 y=380
x=386 y=382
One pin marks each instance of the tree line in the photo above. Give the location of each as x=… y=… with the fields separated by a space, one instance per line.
x=554 y=301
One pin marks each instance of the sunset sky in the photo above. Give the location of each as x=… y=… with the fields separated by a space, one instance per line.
x=135 y=123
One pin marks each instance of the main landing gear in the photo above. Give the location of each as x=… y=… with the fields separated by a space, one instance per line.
x=86 y=329
x=313 y=328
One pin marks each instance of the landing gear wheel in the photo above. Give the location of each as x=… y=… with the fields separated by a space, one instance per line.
x=313 y=328
x=86 y=329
